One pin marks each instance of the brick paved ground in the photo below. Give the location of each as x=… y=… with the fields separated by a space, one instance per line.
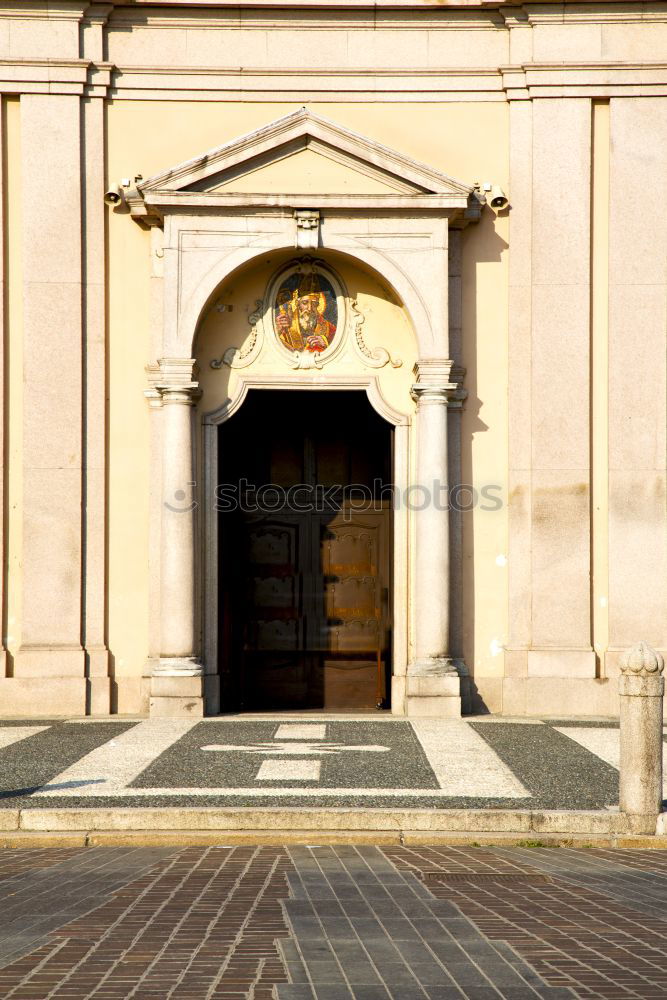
x=332 y=923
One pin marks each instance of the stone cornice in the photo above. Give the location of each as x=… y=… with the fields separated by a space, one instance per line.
x=340 y=14
x=180 y=200
x=560 y=8
x=55 y=76
x=525 y=81
x=417 y=14
x=44 y=9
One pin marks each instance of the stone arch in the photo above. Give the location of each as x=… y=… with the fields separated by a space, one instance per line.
x=379 y=263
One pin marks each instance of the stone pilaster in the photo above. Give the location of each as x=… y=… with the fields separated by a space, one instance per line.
x=51 y=626
x=3 y=313
x=177 y=680
x=560 y=589
x=94 y=402
x=637 y=346
x=433 y=685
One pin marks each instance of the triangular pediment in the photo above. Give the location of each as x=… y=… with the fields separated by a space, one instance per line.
x=305 y=170
x=303 y=153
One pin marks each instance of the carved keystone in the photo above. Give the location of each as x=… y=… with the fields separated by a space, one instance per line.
x=641 y=687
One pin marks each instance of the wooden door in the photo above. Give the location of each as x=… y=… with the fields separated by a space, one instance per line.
x=305 y=593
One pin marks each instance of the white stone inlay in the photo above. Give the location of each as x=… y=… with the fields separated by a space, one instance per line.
x=282 y=749
x=463 y=763
x=14 y=734
x=604 y=743
x=289 y=770
x=295 y=731
x=110 y=768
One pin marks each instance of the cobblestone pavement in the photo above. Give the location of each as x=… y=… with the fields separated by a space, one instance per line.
x=332 y=923
x=372 y=761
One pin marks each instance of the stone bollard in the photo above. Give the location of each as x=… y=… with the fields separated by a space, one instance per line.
x=641 y=687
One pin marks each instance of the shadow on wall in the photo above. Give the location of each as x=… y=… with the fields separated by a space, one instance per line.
x=481 y=245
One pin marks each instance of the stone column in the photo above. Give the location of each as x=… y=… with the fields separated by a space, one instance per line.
x=641 y=687
x=433 y=686
x=177 y=681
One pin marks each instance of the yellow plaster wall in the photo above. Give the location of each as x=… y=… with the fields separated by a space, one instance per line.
x=468 y=141
x=129 y=454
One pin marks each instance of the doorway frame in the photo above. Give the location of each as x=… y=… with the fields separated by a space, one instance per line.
x=209 y=534
x=200 y=234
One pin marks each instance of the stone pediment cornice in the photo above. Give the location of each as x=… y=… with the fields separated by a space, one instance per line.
x=543 y=7
x=196 y=183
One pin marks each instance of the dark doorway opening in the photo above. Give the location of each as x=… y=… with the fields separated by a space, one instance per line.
x=305 y=553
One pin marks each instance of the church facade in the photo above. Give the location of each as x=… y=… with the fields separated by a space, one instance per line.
x=334 y=341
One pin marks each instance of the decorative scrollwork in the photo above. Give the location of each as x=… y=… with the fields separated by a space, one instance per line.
x=379 y=356
x=235 y=358
x=302 y=360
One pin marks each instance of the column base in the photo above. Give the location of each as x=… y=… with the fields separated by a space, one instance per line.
x=177 y=689
x=178 y=666
x=433 y=689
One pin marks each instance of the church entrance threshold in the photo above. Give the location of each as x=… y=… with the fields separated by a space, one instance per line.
x=305 y=553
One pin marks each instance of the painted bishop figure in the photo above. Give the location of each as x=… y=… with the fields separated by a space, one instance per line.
x=301 y=323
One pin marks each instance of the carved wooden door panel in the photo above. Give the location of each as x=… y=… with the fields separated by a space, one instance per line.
x=272 y=621
x=314 y=610
x=305 y=592
x=354 y=555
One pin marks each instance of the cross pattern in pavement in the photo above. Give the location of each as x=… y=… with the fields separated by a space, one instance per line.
x=337 y=761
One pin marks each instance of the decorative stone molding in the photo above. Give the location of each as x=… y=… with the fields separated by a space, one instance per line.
x=241 y=358
x=248 y=380
x=379 y=356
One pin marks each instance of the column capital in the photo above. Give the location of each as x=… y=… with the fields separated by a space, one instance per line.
x=439 y=381
x=171 y=381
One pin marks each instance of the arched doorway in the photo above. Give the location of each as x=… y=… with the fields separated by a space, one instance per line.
x=305 y=553
x=405 y=238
